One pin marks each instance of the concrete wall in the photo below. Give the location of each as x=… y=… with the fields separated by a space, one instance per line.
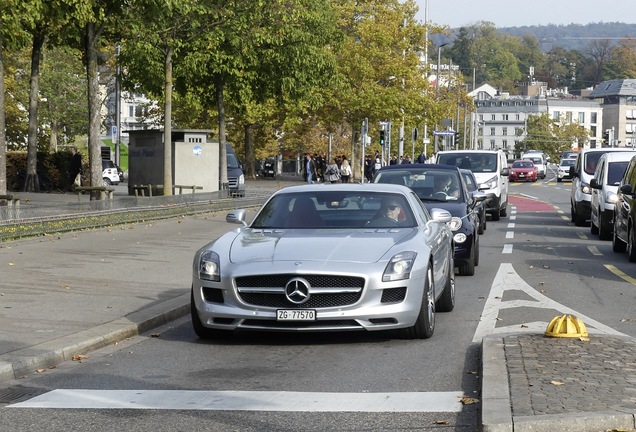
x=196 y=163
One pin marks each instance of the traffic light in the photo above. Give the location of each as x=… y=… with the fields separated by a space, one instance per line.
x=382 y=137
x=456 y=138
x=606 y=137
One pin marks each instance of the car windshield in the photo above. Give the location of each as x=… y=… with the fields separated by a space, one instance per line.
x=232 y=161
x=335 y=209
x=469 y=179
x=567 y=162
x=428 y=184
x=522 y=164
x=615 y=172
x=590 y=162
x=476 y=162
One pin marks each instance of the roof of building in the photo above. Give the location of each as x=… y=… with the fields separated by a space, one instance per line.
x=619 y=87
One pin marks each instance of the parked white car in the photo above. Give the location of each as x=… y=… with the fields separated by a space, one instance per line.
x=607 y=177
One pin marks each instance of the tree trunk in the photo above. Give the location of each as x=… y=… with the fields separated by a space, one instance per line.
x=167 y=129
x=3 y=136
x=219 y=84
x=249 y=150
x=32 y=184
x=94 y=105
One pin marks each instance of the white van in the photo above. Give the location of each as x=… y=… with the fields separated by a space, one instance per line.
x=609 y=172
x=582 y=173
x=491 y=171
x=538 y=159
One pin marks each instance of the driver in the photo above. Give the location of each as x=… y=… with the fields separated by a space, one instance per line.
x=390 y=209
x=387 y=215
x=442 y=184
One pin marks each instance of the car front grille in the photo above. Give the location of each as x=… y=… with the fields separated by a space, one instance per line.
x=269 y=290
x=256 y=323
x=232 y=182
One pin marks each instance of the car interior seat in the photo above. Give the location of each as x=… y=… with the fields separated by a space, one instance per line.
x=304 y=215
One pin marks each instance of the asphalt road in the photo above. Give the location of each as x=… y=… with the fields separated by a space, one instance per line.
x=562 y=265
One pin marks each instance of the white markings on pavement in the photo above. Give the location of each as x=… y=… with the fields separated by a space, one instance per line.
x=511 y=225
x=507 y=279
x=507 y=249
x=247 y=401
x=510 y=234
x=513 y=217
x=594 y=250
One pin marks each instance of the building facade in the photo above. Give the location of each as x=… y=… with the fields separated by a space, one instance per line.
x=618 y=99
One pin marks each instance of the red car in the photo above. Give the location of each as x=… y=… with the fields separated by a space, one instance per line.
x=523 y=170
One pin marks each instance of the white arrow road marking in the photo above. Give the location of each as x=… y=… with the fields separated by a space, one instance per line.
x=247 y=401
x=507 y=279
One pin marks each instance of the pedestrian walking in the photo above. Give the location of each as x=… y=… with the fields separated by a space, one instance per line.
x=345 y=171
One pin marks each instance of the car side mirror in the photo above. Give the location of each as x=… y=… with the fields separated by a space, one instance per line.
x=573 y=172
x=594 y=184
x=626 y=189
x=505 y=171
x=479 y=196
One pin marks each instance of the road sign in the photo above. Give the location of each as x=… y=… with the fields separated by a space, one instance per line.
x=444 y=133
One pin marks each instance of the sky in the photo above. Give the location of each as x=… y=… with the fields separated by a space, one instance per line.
x=516 y=13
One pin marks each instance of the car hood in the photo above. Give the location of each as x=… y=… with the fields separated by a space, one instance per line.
x=362 y=245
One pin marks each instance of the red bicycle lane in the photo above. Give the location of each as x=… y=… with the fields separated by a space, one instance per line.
x=526 y=204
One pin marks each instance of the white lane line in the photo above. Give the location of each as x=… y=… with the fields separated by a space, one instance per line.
x=512 y=218
x=594 y=250
x=510 y=234
x=511 y=225
x=508 y=279
x=507 y=249
x=247 y=401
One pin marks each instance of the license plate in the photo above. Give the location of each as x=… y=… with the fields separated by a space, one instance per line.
x=295 y=315
x=522 y=175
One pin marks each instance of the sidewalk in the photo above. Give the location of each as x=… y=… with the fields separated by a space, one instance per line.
x=68 y=294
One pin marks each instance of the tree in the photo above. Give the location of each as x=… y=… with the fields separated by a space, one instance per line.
x=622 y=63
x=552 y=136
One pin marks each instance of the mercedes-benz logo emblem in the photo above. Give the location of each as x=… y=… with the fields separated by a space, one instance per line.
x=297 y=290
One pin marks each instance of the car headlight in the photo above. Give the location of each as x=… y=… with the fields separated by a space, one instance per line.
x=491 y=183
x=460 y=238
x=241 y=179
x=209 y=266
x=399 y=267
x=612 y=198
x=585 y=188
x=455 y=224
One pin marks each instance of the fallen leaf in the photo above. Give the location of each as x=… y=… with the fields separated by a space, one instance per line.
x=155 y=335
x=441 y=422
x=530 y=267
x=556 y=383
x=79 y=357
x=524 y=326
x=469 y=400
x=40 y=370
x=52 y=367
x=11 y=264
x=546 y=266
x=472 y=372
x=498 y=319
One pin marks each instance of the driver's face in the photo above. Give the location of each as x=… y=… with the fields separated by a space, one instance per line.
x=392 y=210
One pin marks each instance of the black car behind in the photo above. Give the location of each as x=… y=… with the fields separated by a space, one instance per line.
x=442 y=186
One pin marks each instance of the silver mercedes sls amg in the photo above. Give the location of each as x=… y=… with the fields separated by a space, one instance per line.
x=335 y=257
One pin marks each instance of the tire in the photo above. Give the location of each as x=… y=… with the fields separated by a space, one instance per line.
x=577 y=219
x=482 y=226
x=424 y=326
x=503 y=212
x=495 y=216
x=107 y=181
x=476 y=247
x=593 y=228
x=558 y=180
x=446 y=302
x=631 y=245
x=468 y=269
x=618 y=245
x=604 y=232
x=202 y=331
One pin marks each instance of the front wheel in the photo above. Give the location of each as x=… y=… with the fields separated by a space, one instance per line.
x=107 y=181
x=618 y=245
x=424 y=326
x=446 y=302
